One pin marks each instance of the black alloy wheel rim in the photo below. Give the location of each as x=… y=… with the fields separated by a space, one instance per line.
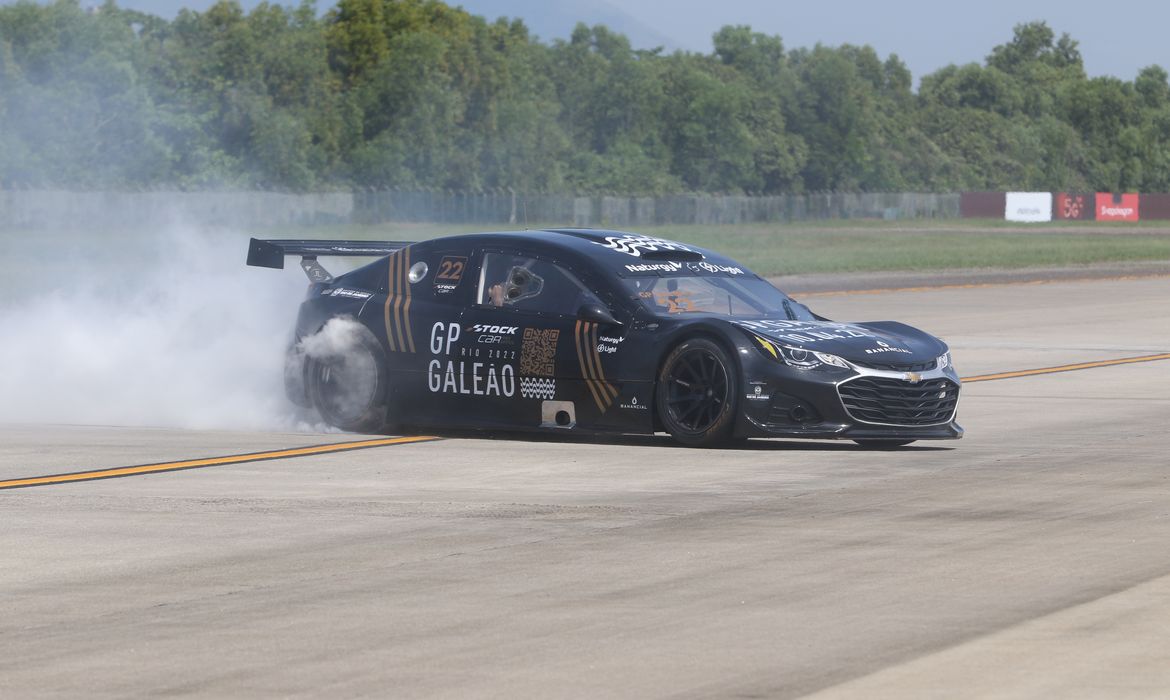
x=696 y=390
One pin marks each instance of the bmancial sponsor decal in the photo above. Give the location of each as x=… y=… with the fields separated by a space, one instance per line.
x=886 y=347
x=634 y=405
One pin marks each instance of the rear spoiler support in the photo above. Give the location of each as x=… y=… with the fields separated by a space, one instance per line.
x=271 y=253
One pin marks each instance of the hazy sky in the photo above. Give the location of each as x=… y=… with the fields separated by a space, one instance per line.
x=1116 y=38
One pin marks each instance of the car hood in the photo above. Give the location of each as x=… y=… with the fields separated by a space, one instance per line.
x=876 y=342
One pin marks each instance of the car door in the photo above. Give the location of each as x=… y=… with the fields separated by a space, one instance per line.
x=526 y=359
x=423 y=295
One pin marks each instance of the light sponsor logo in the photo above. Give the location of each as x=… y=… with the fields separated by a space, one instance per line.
x=715 y=269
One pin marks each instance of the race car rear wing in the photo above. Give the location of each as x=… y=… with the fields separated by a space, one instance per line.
x=271 y=253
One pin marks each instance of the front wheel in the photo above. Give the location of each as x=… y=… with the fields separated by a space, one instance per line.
x=697 y=393
x=347 y=382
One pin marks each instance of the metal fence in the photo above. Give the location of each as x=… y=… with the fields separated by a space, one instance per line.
x=518 y=209
x=58 y=209
x=64 y=210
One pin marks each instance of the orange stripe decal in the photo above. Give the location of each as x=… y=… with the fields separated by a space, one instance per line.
x=399 y=278
x=406 y=308
x=579 y=332
x=606 y=387
x=389 y=301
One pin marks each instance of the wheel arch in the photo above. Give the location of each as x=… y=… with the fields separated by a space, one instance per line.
x=682 y=335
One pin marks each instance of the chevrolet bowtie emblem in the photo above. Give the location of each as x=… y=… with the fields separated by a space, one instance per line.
x=913 y=377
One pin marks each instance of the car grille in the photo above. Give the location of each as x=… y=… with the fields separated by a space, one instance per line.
x=899 y=366
x=898 y=402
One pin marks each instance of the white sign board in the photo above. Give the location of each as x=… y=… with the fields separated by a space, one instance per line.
x=1028 y=206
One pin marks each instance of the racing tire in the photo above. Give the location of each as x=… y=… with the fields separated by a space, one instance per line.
x=877 y=444
x=349 y=388
x=697 y=393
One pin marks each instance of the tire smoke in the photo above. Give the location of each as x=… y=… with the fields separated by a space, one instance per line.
x=160 y=330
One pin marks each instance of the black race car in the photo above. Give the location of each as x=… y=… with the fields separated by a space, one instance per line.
x=599 y=332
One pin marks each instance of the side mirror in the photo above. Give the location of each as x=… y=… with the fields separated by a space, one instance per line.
x=597 y=313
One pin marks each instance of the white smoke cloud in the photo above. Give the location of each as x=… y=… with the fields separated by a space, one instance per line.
x=336 y=338
x=169 y=330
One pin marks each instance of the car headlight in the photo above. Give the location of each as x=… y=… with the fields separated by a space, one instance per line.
x=944 y=360
x=799 y=357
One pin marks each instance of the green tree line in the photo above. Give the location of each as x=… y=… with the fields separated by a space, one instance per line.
x=419 y=94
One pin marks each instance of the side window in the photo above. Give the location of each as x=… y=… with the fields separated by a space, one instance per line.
x=529 y=284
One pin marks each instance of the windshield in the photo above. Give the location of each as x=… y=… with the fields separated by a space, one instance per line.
x=735 y=297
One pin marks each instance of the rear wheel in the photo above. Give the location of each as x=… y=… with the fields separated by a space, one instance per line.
x=349 y=384
x=697 y=393
x=875 y=444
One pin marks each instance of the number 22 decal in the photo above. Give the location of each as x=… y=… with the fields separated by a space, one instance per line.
x=451 y=268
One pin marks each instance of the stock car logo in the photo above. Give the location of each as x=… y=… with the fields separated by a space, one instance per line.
x=636 y=245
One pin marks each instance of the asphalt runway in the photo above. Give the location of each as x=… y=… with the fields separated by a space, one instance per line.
x=1030 y=559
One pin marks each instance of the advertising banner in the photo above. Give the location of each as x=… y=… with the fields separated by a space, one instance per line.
x=1028 y=206
x=1155 y=206
x=1117 y=207
x=1068 y=206
x=981 y=205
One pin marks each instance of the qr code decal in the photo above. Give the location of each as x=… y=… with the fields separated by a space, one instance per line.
x=538 y=352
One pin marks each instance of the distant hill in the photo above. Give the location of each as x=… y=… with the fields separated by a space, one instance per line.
x=555 y=19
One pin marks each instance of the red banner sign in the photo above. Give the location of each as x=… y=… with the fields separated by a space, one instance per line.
x=1117 y=207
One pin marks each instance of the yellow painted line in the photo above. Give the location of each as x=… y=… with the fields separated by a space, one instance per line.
x=1066 y=368
x=975 y=285
x=208 y=462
